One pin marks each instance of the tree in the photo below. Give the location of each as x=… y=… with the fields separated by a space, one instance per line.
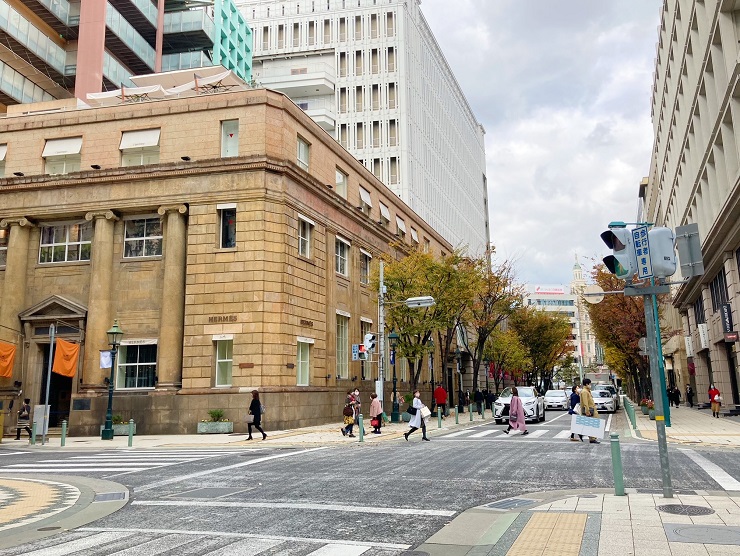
x=505 y=350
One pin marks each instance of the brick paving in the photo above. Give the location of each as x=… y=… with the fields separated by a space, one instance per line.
x=24 y=501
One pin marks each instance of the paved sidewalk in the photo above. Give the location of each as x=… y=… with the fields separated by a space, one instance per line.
x=693 y=426
x=595 y=523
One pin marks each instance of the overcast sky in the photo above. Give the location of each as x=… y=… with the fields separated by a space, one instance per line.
x=563 y=90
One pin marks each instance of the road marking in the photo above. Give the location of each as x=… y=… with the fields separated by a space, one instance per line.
x=537 y=433
x=61 y=463
x=339 y=550
x=80 y=544
x=223 y=468
x=558 y=417
x=608 y=423
x=484 y=433
x=70 y=469
x=13 y=453
x=563 y=434
x=722 y=478
x=343 y=542
x=297 y=505
x=458 y=433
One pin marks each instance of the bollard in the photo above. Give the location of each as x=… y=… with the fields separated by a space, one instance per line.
x=439 y=417
x=470 y=410
x=64 y=432
x=457 y=417
x=617 y=465
x=32 y=440
x=483 y=412
x=130 y=433
x=361 y=430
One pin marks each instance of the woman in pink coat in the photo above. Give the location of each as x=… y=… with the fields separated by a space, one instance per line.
x=516 y=413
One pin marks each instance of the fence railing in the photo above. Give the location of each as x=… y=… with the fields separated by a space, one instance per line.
x=629 y=407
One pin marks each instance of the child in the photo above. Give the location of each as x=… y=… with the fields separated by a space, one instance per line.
x=376 y=413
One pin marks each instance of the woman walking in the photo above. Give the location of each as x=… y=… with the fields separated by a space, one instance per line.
x=516 y=413
x=575 y=409
x=349 y=414
x=416 y=421
x=376 y=413
x=255 y=409
x=715 y=399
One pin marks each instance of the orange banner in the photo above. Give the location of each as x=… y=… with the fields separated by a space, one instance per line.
x=7 y=358
x=65 y=358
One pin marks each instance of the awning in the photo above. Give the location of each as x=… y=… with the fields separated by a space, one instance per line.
x=401 y=224
x=170 y=79
x=384 y=212
x=61 y=147
x=365 y=196
x=3 y=152
x=139 y=138
x=414 y=235
x=126 y=95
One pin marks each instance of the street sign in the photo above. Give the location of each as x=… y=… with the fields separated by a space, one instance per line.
x=689 y=250
x=642 y=252
x=731 y=337
x=355 y=352
x=593 y=294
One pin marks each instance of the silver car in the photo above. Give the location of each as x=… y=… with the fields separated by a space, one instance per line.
x=613 y=390
x=604 y=401
x=532 y=400
x=556 y=399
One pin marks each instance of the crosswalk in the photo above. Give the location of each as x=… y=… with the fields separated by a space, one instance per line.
x=498 y=434
x=120 y=462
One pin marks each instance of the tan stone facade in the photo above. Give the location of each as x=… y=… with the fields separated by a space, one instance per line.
x=151 y=246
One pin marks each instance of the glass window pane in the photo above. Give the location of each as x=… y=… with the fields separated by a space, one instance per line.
x=135 y=228
x=133 y=248
x=153 y=247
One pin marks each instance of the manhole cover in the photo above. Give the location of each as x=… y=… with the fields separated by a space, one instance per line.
x=679 y=509
x=108 y=496
x=704 y=534
x=210 y=492
x=48 y=528
x=510 y=503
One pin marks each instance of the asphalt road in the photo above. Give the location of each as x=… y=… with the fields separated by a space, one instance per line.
x=378 y=499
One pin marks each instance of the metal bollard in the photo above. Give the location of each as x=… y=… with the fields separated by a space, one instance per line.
x=483 y=412
x=470 y=410
x=439 y=417
x=64 y=432
x=617 y=465
x=457 y=417
x=130 y=433
x=32 y=440
x=361 y=432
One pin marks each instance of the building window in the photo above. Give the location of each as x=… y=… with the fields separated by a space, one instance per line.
x=400 y=227
x=385 y=215
x=4 y=233
x=143 y=238
x=303 y=153
x=140 y=147
x=62 y=164
x=415 y=237
x=359 y=136
x=65 y=243
x=303 y=363
x=699 y=310
x=341 y=254
x=366 y=202
x=341 y=183
x=391 y=63
x=426 y=245
x=224 y=361
x=342 y=346
x=3 y=152
x=305 y=231
x=229 y=138
x=62 y=156
x=227 y=227
x=137 y=366
x=365 y=260
x=718 y=290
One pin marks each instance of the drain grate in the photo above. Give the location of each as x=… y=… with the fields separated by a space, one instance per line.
x=48 y=528
x=108 y=496
x=679 y=509
x=510 y=503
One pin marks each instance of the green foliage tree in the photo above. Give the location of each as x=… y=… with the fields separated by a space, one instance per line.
x=507 y=353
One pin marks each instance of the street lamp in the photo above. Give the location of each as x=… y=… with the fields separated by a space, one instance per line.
x=114 y=340
x=393 y=340
x=486 y=365
x=430 y=344
x=460 y=397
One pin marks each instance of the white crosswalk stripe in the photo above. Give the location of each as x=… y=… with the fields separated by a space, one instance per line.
x=562 y=434
x=485 y=433
x=497 y=434
x=538 y=433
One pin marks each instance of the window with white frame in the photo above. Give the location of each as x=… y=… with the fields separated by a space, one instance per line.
x=65 y=243
x=366 y=202
x=341 y=183
x=137 y=366
x=62 y=156
x=385 y=215
x=343 y=346
x=227 y=226
x=229 y=138
x=4 y=233
x=365 y=260
x=3 y=152
x=414 y=237
x=140 y=147
x=224 y=361
x=400 y=227
x=62 y=164
x=303 y=363
x=341 y=255
x=302 y=155
x=305 y=232
x=143 y=237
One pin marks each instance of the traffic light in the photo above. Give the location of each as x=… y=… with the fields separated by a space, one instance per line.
x=622 y=262
x=662 y=252
x=369 y=342
x=363 y=352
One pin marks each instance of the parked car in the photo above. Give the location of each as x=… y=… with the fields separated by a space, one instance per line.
x=532 y=400
x=604 y=401
x=613 y=390
x=556 y=399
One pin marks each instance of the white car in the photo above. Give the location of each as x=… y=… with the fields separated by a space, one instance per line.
x=556 y=399
x=532 y=400
x=604 y=401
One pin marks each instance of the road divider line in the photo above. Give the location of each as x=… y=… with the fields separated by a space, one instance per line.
x=609 y=423
x=295 y=506
x=721 y=477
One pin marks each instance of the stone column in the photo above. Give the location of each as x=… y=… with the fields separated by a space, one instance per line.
x=100 y=300
x=172 y=319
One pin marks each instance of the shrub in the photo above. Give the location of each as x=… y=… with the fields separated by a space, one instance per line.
x=118 y=419
x=216 y=415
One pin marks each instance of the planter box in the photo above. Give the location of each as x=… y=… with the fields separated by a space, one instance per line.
x=216 y=427
x=652 y=415
x=645 y=410
x=119 y=430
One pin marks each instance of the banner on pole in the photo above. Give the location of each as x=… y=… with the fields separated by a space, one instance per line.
x=66 y=355
x=7 y=359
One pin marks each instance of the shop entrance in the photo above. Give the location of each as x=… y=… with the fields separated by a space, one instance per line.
x=60 y=392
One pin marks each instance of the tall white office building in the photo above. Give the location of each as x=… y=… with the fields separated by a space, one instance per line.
x=371 y=73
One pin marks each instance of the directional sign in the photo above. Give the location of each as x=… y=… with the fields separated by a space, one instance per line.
x=642 y=252
x=355 y=352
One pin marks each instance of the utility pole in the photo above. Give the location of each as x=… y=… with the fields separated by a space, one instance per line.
x=380 y=387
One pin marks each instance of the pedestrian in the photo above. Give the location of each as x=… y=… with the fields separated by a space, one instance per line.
x=358 y=409
x=376 y=413
x=516 y=413
x=24 y=418
x=478 y=399
x=417 y=421
x=689 y=395
x=349 y=414
x=490 y=399
x=676 y=396
x=669 y=395
x=588 y=407
x=575 y=400
x=255 y=409
x=715 y=400
x=440 y=398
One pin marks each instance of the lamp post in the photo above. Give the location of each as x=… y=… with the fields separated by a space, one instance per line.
x=114 y=340
x=486 y=364
x=393 y=340
x=460 y=396
x=430 y=343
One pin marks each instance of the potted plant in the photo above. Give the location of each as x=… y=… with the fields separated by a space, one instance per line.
x=120 y=426
x=217 y=424
x=651 y=409
x=644 y=405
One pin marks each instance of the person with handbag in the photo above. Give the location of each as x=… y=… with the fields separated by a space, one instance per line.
x=588 y=407
x=24 y=419
x=689 y=395
x=516 y=413
x=715 y=399
x=376 y=413
x=417 y=420
x=575 y=408
x=255 y=415
x=349 y=414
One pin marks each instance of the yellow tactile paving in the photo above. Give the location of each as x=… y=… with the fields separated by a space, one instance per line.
x=556 y=534
x=25 y=500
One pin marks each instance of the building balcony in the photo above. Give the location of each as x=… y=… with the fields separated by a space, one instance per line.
x=126 y=44
x=141 y=13
x=320 y=110
x=298 y=80
x=60 y=15
x=188 y=31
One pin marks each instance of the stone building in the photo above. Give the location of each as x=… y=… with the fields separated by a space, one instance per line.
x=228 y=233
